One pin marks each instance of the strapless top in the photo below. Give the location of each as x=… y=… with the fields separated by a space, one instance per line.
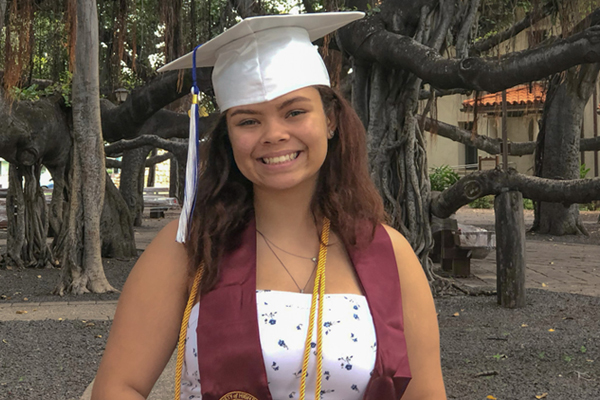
x=349 y=346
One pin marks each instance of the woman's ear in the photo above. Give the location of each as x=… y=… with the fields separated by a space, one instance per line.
x=331 y=125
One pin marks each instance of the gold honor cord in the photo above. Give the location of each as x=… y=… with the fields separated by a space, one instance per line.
x=183 y=331
x=318 y=292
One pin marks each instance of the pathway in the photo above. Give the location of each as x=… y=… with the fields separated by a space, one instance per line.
x=551 y=265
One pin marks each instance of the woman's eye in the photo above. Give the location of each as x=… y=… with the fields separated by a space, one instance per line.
x=295 y=113
x=247 y=122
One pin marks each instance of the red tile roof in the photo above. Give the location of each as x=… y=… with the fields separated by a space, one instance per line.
x=531 y=94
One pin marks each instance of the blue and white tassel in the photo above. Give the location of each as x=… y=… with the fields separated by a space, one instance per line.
x=191 y=169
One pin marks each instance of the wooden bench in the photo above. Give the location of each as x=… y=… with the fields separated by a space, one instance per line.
x=158 y=212
x=456 y=244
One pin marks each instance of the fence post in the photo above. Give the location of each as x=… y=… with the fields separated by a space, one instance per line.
x=510 y=249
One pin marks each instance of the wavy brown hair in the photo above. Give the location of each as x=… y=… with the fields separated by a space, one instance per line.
x=224 y=203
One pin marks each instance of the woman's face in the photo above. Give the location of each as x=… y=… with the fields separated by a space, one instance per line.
x=282 y=143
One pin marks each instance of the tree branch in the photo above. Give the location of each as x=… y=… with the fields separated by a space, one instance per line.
x=530 y=19
x=112 y=163
x=145 y=140
x=484 y=143
x=465 y=30
x=125 y=120
x=446 y=17
x=493 y=146
x=368 y=40
x=157 y=159
x=308 y=6
x=495 y=181
x=168 y=124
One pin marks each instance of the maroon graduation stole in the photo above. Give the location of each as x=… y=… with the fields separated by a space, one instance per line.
x=230 y=358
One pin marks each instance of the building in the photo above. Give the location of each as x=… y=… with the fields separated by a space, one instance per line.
x=3 y=174
x=524 y=112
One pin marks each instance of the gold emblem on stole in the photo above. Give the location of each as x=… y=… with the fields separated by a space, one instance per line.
x=237 y=395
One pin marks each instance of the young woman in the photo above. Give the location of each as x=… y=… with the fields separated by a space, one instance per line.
x=304 y=292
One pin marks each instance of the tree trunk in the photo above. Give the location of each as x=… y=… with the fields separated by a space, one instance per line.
x=82 y=262
x=151 y=171
x=132 y=181
x=2 y=13
x=58 y=203
x=173 y=179
x=387 y=103
x=15 y=212
x=37 y=253
x=27 y=219
x=116 y=225
x=558 y=145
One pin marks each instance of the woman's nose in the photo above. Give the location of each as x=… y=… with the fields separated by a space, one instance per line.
x=275 y=132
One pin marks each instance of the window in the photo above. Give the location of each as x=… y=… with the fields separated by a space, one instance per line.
x=471 y=157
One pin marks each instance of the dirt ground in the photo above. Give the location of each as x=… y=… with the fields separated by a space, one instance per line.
x=484 y=218
x=550 y=349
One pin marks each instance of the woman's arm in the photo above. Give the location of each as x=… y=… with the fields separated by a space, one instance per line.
x=420 y=324
x=146 y=325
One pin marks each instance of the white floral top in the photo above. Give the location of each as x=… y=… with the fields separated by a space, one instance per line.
x=349 y=346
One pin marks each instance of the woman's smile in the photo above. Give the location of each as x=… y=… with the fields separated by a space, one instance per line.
x=281 y=159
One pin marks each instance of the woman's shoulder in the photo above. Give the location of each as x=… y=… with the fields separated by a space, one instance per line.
x=164 y=253
x=398 y=240
x=409 y=266
x=165 y=240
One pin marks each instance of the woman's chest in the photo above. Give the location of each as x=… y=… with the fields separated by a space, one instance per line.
x=349 y=344
x=289 y=273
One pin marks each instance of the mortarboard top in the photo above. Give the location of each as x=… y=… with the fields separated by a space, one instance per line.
x=262 y=58
x=316 y=24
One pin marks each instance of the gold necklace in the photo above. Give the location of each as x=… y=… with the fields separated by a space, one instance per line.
x=313 y=259
x=269 y=241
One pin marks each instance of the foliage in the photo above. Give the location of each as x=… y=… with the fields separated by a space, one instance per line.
x=64 y=86
x=593 y=206
x=29 y=93
x=583 y=171
x=497 y=15
x=32 y=93
x=441 y=178
x=486 y=202
x=527 y=204
x=372 y=10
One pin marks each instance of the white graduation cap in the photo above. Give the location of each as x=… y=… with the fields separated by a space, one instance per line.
x=262 y=58
x=257 y=60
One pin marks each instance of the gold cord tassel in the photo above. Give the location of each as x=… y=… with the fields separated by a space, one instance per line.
x=318 y=294
x=183 y=331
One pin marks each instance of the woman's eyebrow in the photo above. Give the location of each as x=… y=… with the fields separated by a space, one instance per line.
x=243 y=111
x=280 y=107
x=291 y=101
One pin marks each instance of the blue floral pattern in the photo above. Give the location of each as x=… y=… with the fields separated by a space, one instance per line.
x=349 y=346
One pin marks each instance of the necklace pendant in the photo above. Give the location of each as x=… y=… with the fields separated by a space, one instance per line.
x=314 y=259
x=301 y=290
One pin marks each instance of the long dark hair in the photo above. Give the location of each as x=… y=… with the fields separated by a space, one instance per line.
x=224 y=204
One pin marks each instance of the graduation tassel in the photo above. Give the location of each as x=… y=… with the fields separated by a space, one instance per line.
x=191 y=168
